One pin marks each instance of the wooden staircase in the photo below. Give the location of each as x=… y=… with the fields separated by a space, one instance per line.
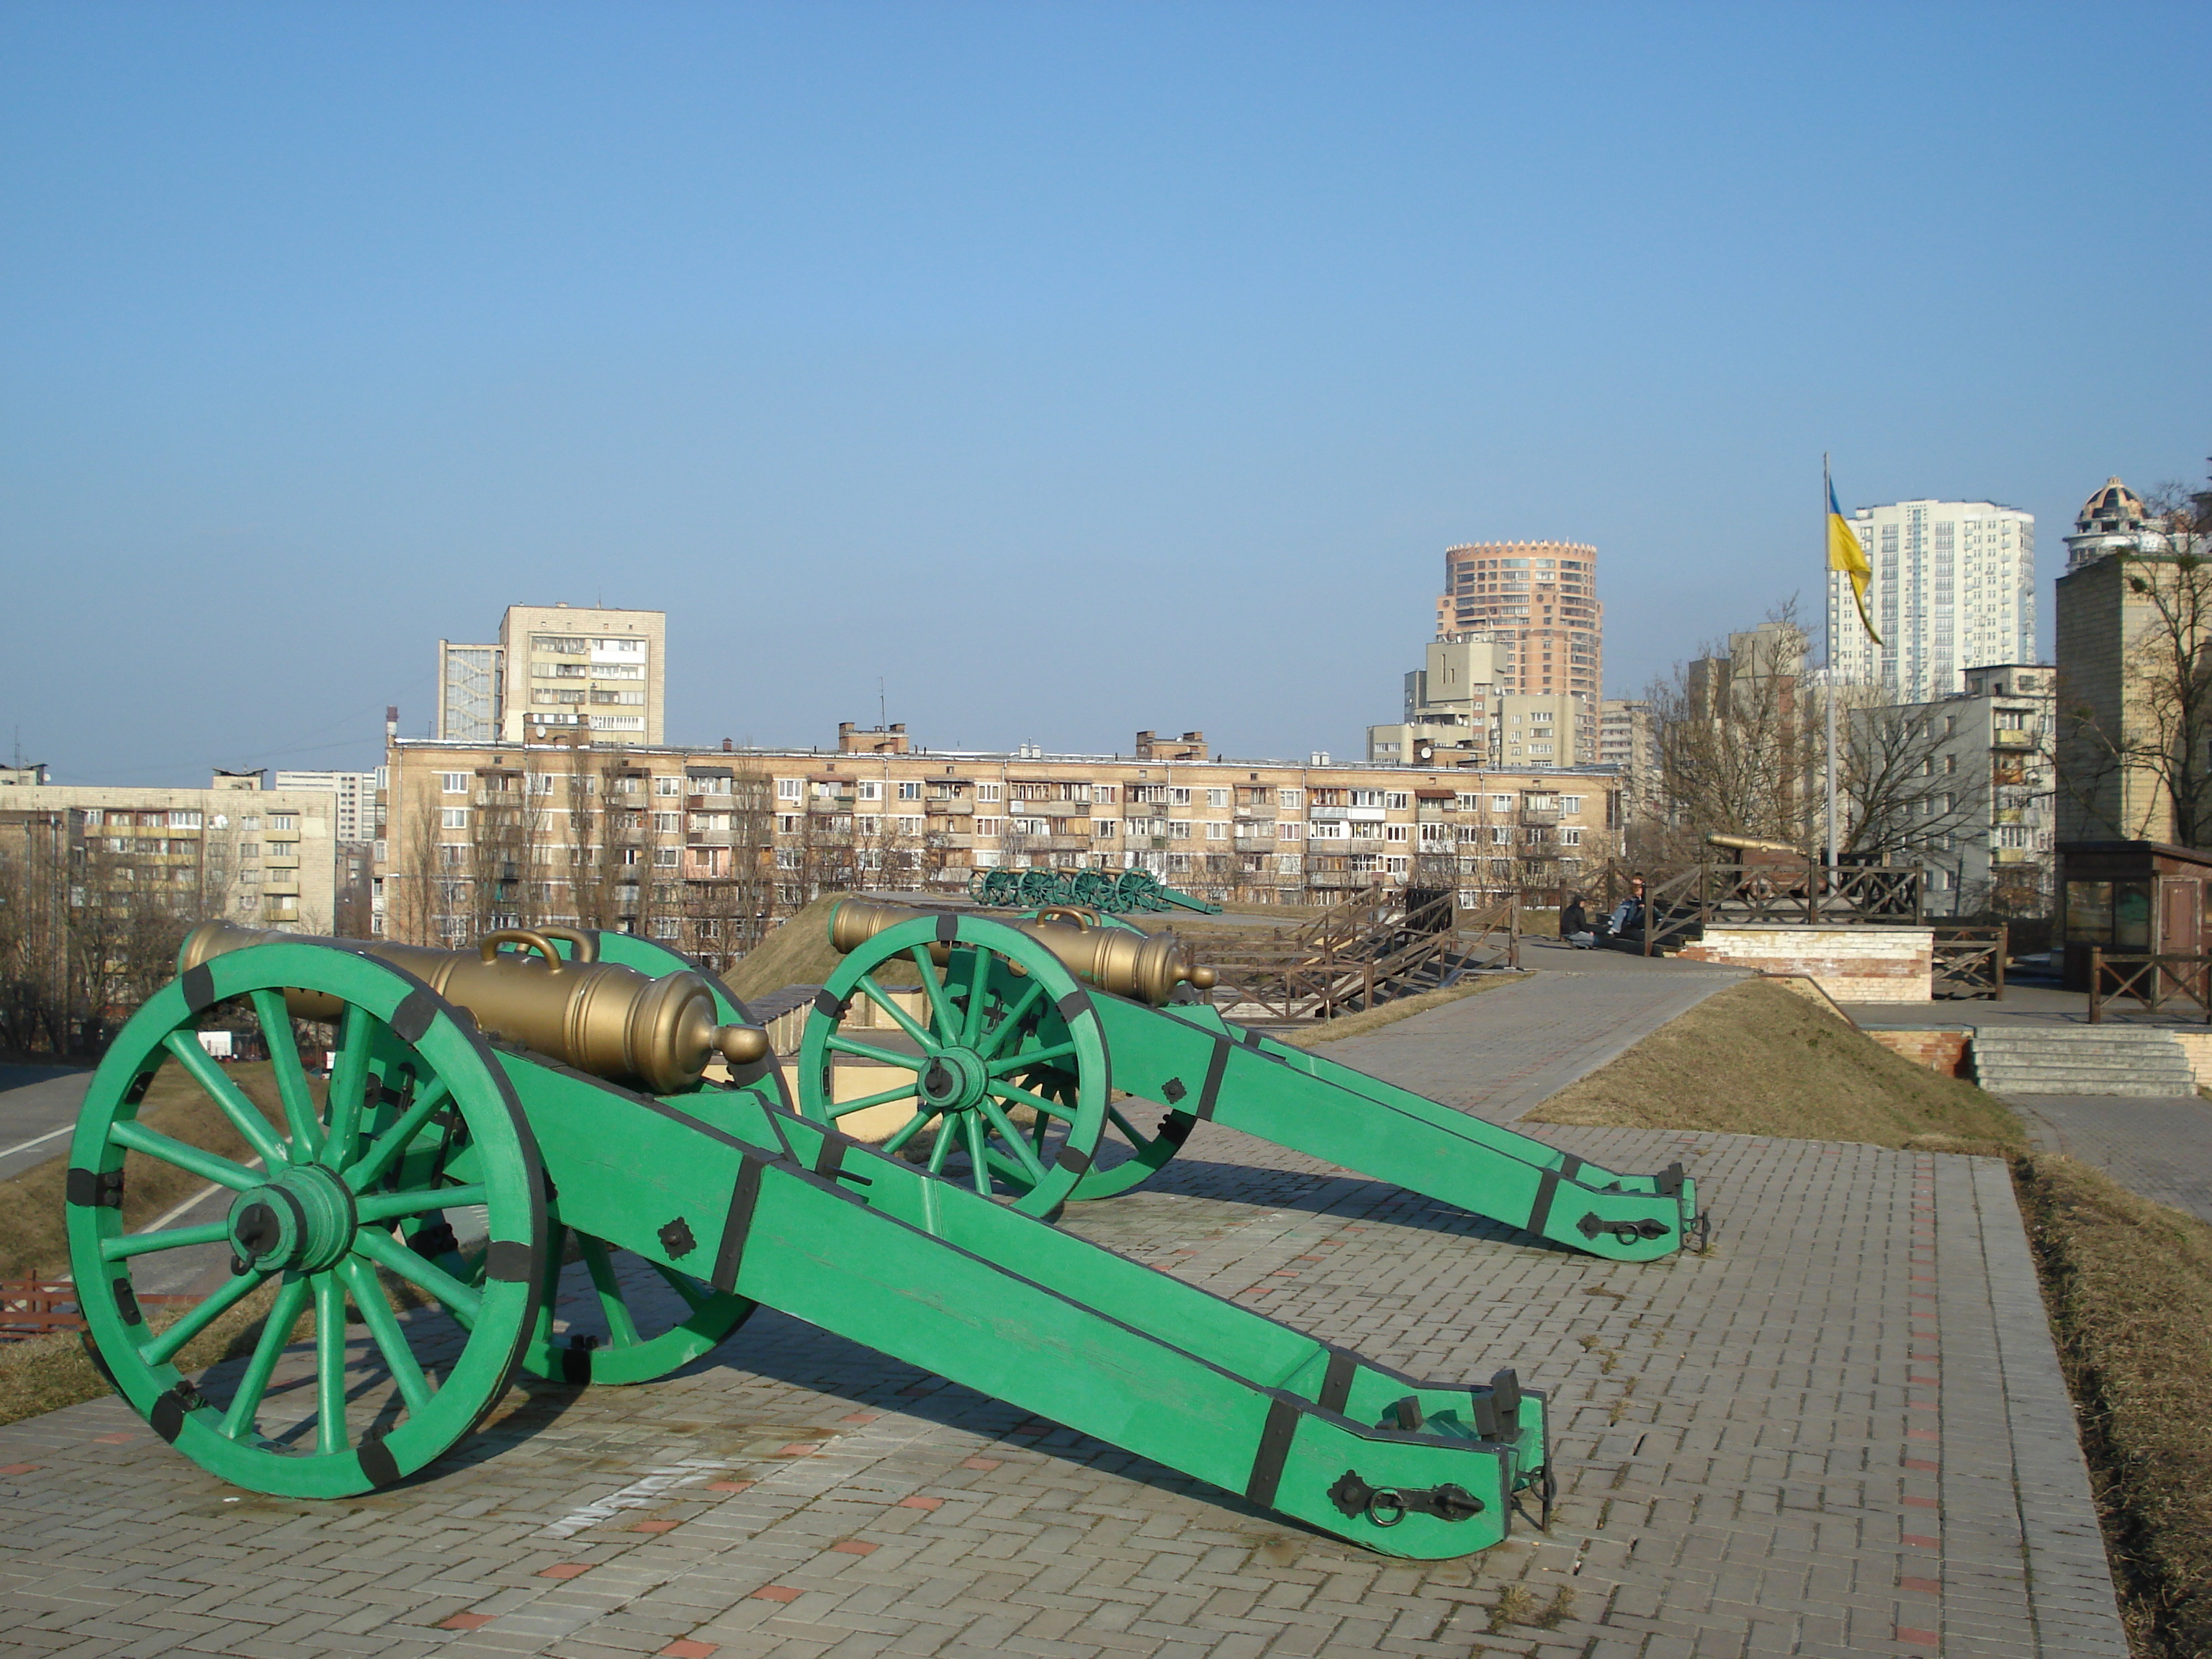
x=1388 y=944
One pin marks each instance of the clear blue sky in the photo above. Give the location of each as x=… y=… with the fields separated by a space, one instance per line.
x=1072 y=367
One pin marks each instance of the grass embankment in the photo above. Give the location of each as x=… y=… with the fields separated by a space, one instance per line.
x=1758 y=1060
x=2129 y=1286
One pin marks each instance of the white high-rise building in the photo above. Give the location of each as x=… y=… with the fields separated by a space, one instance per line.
x=1953 y=588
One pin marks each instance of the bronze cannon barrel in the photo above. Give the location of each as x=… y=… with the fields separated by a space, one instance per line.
x=1145 y=966
x=598 y=1017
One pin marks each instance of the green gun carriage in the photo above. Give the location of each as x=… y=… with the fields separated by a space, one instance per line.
x=489 y=1115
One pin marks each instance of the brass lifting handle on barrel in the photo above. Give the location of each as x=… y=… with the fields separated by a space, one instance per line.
x=1148 y=967
x=599 y=1017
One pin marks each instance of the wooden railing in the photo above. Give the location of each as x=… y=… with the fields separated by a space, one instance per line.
x=1969 y=962
x=1779 y=892
x=2155 y=983
x=40 y=1304
x=1359 y=955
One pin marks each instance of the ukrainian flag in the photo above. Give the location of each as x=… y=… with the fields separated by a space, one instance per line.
x=1844 y=554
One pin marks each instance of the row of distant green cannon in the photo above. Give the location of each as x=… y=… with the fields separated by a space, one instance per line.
x=1117 y=892
x=574 y=1154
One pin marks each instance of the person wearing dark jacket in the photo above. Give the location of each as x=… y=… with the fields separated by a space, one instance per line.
x=1572 y=920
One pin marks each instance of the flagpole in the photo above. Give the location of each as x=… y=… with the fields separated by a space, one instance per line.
x=1827 y=585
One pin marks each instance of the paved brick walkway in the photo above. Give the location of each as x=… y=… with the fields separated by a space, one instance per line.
x=1842 y=1433
x=2161 y=1148
x=1500 y=1054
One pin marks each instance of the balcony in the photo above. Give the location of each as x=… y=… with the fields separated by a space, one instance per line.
x=951 y=808
x=2013 y=737
x=1254 y=843
x=1540 y=817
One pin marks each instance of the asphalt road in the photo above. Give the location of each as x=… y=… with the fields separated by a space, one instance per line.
x=38 y=1108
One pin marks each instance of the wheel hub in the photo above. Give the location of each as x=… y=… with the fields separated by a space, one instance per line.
x=954 y=1081
x=303 y=1221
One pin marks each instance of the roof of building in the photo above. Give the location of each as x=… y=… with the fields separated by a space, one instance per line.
x=2113 y=506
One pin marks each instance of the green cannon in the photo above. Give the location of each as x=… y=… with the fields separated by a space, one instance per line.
x=1034 y=1101
x=1110 y=892
x=491 y=1117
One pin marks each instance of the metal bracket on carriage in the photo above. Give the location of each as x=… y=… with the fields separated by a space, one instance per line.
x=1386 y=1506
x=1627 y=1232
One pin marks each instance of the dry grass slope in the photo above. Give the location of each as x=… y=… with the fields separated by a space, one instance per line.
x=2129 y=1284
x=1758 y=1060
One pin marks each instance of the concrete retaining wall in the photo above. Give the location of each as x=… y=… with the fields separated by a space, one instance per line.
x=1851 y=965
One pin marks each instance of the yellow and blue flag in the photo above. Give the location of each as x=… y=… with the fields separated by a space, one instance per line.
x=1844 y=554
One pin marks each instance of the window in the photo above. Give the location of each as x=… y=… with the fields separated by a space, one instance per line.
x=665 y=857
x=864 y=825
x=1179 y=828
x=668 y=786
x=1367 y=797
x=1104 y=829
x=787 y=824
x=1500 y=835
x=454 y=817
x=1290 y=831
x=667 y=823
x=1329 y=829
x=1395 y=867
x=1571 y=836
x=870 y=789
x=277 y=821
x=1178 y=797
x=1501 y=803
x=1032 y=826
x=1396 y=831
x=909 y=826
x=664 y=928
x=990 y=791
x=791 y=788
x=1570 y=803
x=990 y=826
x=1106 y=794
x=910 y=791
x=1468 y=803
x=1291 y=799
x=453 y=783
x=1217 y=798
x=249 y=822
x=1215 y=830
x=1396 y=800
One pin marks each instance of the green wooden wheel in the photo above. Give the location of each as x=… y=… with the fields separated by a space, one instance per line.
x=346 y=1198
x=630 y=1320
x=998 y=1008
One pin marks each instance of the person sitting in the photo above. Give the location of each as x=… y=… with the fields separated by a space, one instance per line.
x=1574 y=924
x=1628 y=915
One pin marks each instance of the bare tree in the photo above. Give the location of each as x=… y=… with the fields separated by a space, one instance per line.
x=1909 y=799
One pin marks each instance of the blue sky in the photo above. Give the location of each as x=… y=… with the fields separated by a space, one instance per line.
x=1070 y=368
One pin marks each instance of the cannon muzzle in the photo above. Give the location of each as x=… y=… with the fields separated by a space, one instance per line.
x=1148 y=967
x=598 y=1017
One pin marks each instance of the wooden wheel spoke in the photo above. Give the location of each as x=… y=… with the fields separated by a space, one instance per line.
x=693 y=1292
x=1031 y=1057
x=843 y=1107
x=291 y=1075
x=979 y=1158
x=268 y=1348
x=160 y=1349
x=845 y=1045
x=341 y=1099
x=979 y=976
x=329 y=1364
x=368 y=1168
x=169 y=1238
x=900 y=1018
x=621 y=1329
x=1011 y=1019
x=207 y=1166
x=384 y=1329
x=1136 y=1137
x=905 y=1132
x=940 y=1149
x=388 y=1253
x=1011 y=1133
x=385 y=1207
x=942 y=1014
x=245 y=1117
x=1014 y=1091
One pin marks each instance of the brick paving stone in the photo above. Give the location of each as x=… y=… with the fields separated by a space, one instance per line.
x=1736 y=1436
x=2159 y=1149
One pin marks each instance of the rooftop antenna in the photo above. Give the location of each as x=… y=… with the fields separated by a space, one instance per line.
x=883 y=707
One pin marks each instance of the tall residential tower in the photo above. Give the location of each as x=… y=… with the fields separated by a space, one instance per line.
x=1953 y=588
x=1537 y=600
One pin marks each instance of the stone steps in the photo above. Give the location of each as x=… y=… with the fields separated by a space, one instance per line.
x=2081 y=1060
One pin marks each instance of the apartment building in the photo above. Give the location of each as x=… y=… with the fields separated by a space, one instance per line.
x=1976 y=805
x=706 y=847
x=558 y=670
x=1536 y=600
x=1952 y=587
x=353 y=799
x=1461 y=709
x=1628 y=740
x=265 y=857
